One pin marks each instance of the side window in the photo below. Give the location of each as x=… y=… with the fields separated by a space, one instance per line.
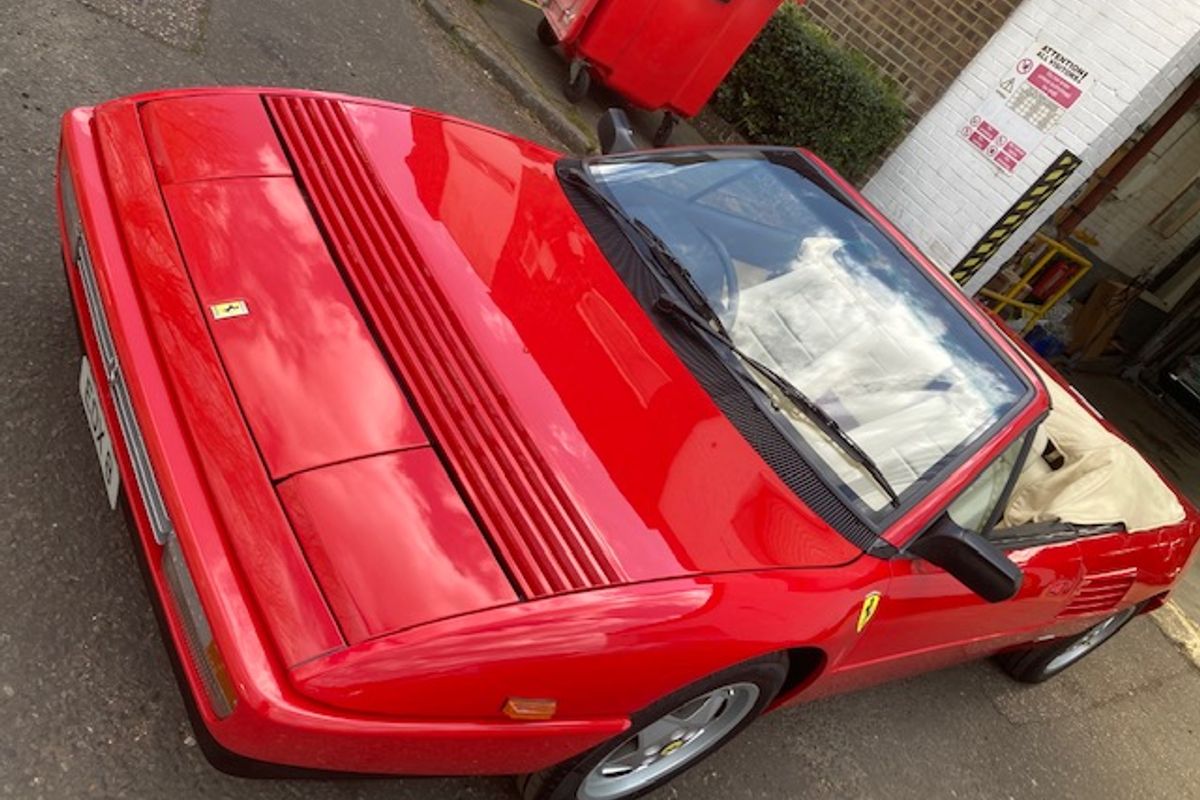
x=978 y=507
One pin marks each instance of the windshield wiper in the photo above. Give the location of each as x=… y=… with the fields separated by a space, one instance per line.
x=681 y=277
x=819 y=416
x=665 y=263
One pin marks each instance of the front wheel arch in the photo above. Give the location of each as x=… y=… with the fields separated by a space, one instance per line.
x=805 y=665
x=562 y=781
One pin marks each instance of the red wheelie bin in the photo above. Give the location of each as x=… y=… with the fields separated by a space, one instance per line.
x=658 y=54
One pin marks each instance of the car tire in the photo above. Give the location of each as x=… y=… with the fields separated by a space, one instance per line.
x=1038 y=664
x=734 y=697
x=578 y=84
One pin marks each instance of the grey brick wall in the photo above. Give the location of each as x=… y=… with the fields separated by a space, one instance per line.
x=922 y=45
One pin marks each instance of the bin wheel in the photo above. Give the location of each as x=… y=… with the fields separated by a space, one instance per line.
x=579 y=80
x=546 y=34
x=665 y=129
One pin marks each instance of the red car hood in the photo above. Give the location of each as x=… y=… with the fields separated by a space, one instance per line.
x=459 y=399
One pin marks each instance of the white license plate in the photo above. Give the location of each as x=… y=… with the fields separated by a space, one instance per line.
x=99 y=428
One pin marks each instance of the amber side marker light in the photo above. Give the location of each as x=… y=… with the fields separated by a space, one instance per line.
x=526 y=708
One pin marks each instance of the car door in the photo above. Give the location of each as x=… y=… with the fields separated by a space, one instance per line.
x=927 y=619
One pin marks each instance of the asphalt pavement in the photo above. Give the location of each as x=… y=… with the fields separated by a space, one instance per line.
x=88 y=707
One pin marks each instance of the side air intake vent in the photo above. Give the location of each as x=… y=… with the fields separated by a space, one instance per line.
x=1101 y=592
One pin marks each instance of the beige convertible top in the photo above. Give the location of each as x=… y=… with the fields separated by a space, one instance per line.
x=1102 y=481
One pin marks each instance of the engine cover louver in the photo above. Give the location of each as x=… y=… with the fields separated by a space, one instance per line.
x=1101 y=592
x=545 y=544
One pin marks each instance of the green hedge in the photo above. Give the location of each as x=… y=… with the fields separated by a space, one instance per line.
x=796 y=86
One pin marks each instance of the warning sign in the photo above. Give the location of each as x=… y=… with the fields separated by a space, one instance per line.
x=1027 y=104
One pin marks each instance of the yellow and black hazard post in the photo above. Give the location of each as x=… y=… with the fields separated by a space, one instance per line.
x=1055 y=176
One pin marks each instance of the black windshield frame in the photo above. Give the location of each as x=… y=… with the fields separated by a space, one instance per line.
x=875 y=521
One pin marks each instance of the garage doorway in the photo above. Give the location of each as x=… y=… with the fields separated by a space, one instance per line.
x=1127 y=331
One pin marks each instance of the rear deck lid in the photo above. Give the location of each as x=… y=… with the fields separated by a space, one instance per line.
x=309 y=377
x=383 y=529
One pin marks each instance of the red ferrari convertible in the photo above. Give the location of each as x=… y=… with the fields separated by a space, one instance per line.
x=448 y=454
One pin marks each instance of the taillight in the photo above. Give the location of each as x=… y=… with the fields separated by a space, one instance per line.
x=202 y=647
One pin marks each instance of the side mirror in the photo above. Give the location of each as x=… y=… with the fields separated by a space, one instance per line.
x=973 y=560
x=615 y=132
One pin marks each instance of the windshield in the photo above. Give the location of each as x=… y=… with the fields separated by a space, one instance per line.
x=812 y=289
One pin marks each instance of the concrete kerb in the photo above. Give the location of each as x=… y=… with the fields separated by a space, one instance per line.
x=522 y=87
x=1181 y=629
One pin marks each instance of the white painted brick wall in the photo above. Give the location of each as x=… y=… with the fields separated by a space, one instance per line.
x=944 y=196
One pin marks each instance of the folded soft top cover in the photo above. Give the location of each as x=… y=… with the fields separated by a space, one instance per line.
x=1103 y=480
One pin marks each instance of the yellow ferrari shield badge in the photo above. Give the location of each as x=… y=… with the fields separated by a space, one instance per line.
x=231 y=308
x=869 y=607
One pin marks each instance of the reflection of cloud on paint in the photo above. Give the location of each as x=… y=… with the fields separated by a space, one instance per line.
x=869 y=339
x=290 y=358
x=628 y=355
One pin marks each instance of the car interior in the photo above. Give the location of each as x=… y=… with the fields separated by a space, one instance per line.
x=1079 y=472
